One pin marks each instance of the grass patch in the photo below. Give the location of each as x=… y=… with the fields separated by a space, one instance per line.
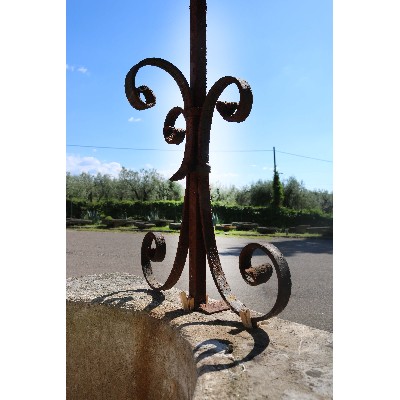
x=166 y=230
x=256 y=235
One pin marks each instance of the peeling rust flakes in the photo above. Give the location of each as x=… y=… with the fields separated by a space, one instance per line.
x=214 y=307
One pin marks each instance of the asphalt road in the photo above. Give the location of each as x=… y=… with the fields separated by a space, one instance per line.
x=310 y=263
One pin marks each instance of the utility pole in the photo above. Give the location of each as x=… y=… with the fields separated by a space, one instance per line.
x=274 y=161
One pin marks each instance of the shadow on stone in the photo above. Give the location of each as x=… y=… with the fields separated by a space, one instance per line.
x=213 y=346
x=114 y=299
x=204 y=349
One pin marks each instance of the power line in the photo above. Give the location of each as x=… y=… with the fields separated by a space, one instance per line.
x=211 y=151
x=297 y=155
x=181 y=150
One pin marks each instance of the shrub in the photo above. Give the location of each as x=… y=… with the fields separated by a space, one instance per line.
x=280 y=217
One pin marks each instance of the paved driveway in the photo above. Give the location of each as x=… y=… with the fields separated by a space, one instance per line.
x=310 y=262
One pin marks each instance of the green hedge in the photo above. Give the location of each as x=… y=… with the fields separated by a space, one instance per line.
x=125 y=209
x=264 y=216
x=269 y=216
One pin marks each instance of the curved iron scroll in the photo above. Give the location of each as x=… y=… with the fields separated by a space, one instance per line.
x=196 y=160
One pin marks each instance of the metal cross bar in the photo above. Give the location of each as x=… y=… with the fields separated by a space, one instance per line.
x=197 y=236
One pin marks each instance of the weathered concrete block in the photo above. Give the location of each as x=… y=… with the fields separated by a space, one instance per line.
x=125 y=341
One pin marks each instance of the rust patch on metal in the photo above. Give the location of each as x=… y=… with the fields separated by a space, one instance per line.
x=259 y=274
x=214 y=307
x=173 y=135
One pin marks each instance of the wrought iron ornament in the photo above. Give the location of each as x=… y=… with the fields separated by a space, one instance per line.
x=197 y=232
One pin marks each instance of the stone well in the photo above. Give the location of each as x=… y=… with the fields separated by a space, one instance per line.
x=125 y=341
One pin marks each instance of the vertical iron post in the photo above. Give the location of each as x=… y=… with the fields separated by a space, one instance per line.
x=198 y=89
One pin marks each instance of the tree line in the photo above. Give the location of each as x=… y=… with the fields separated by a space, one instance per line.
x=143 y=185
x=149 y=185
x=290 y=194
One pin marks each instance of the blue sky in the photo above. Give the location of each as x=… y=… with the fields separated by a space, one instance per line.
x=366 y=126
x=282 y=48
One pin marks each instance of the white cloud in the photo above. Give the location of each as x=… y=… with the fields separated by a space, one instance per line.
x=132 y=119
x=82 y=70
x=91 y=165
